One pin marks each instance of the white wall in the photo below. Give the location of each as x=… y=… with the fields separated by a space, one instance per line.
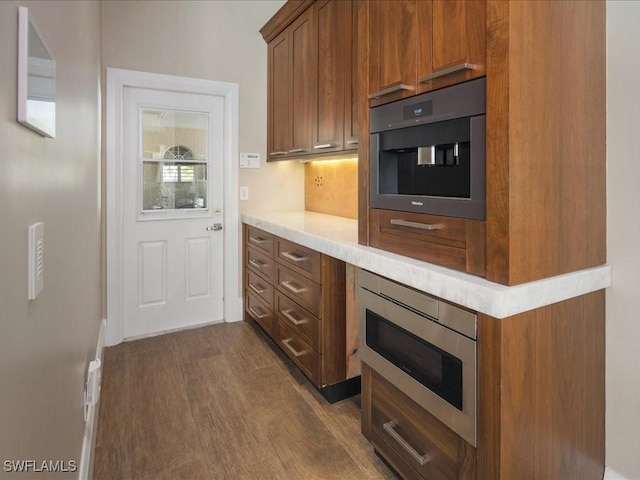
x=46 y=344
x=214 y=40
x=623 y=229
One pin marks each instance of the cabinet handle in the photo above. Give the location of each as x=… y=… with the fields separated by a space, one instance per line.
x=297 y=150
x=258 y=240
x=448 y=71
x=259 y=315
x=256 y=289
x=324 y=145
x=293 y=256
x=276 y=154
x=296 y=353
x=255 y=263
x=352 y=142
x=292 y=288
x=291 y=318
x=396 y=87
x=421 y=226
x=421 y=459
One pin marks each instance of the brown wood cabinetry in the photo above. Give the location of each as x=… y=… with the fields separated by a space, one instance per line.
x=456 y=243
x=541 y=392
x=546 y=139
x=412 y=440
x=421 y=45
x=291 y=87
x=311 y=89
x=545 y=143
x=298 y=296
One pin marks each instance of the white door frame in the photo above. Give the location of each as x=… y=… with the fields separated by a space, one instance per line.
x=117 y=80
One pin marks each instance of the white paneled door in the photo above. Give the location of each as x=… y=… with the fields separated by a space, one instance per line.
x=172 y=186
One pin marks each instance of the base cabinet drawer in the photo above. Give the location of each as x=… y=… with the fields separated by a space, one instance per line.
x=302 y=322
x=305 y=358
x=260 y=313
x=412 y=440
x=452 y=242
x=260 y=263
x=302 y=290
x=260 y=239
x=256 y=285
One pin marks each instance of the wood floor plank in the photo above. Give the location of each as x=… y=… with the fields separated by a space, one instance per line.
x=221 y=402
x=162 y=422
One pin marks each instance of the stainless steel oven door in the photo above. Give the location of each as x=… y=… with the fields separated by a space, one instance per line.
x=463 y=422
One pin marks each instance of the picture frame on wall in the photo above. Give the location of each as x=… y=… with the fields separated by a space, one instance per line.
x=36 y=78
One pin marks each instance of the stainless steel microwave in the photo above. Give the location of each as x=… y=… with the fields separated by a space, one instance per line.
x=428 y=152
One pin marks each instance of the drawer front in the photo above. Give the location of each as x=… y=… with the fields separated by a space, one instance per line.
x=260 y=263
x=452 y=242
x=305 y=358
x=302 y=322
x=256 y=285
x=300 y=259
x=300 y=289
x=260 y=239
x=260 y=313
x=414 y=440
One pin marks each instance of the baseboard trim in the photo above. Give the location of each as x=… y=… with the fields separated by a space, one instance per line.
x=85 y=470
x=610 y=474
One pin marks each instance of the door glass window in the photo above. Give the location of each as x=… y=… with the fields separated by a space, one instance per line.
x=174 y=160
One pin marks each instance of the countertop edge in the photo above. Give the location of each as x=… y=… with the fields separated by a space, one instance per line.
x=337 y=237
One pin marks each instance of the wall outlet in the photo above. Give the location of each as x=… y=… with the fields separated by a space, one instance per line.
x=244 y=193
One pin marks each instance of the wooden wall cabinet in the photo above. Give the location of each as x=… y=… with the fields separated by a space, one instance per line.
x=311 y=88
x=421 y=45
x=298 y=297
x=291 y=86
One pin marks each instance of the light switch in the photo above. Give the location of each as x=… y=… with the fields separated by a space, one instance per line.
x=36 y=260
x=244 y=193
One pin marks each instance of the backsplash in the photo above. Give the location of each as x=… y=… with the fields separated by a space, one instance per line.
x=331 y=187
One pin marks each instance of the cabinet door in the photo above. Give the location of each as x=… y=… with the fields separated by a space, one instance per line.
x=457 y=39
x=392 y=49
x=333 y=38
x=303 y=82
x=279 y=95
x=358 y=14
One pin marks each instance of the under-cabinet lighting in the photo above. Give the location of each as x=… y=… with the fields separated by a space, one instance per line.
x=332 y=158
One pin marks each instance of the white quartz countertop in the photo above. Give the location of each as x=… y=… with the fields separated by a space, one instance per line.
x=338 y=238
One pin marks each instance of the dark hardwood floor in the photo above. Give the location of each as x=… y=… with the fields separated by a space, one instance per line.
x=219 y=402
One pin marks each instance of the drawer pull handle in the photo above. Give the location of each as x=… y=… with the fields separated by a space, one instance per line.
x=255 y=263
x=294 y=257
x=421 y=226
x=258 y=240
x=323 y=146
x=421 y=459
x=448 y=71
x=291 y=287
x=276 y=154
x=296 y=353
x=396 y=87
x=297 y=150
x=291 y=318
x=352 y=142
x=259 y=315
x=256 y=288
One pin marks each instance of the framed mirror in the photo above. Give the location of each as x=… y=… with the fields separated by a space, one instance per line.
x=36 y=78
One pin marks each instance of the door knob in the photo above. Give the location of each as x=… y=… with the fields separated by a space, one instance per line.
x=215 y=227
